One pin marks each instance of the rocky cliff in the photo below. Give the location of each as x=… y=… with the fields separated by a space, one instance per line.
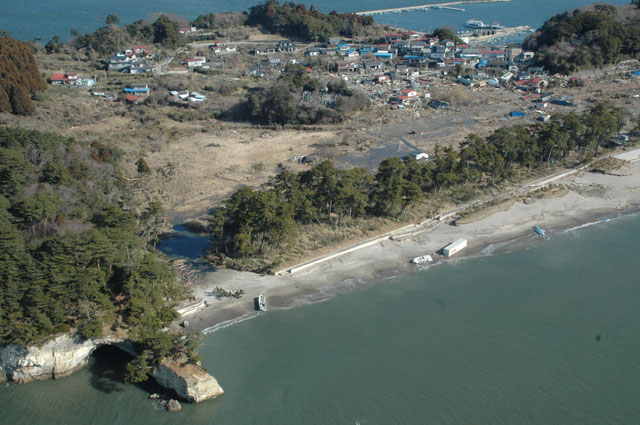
x=66 y=354
x=56 y=358
x=190 y=382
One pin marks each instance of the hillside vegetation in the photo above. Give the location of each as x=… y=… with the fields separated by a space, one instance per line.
x=583 y=39
x=71 y=258
x=295 y=20
x=19 y=77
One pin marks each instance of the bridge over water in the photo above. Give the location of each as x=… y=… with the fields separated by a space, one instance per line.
x=428 y=6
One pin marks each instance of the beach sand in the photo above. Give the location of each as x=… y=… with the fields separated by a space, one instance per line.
x=589 y=197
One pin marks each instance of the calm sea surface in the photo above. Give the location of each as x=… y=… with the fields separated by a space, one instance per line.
x=28 y=19
x=546 y=334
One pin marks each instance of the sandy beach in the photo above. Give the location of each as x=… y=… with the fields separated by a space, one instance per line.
x=587 y=197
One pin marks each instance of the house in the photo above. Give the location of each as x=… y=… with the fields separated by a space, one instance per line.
x=71 y=79
x=346 y=66
x=413 y=35
x=438 y=52
x=352 y=54
x=273 y=62
x=327 y=52
x=399 y=100
x=142 y=51
x=197 y=97
x=370 y=65
x=117 y=62
x=63 y=79
x=418 y=48
x=366 y=49
x=343 y=48
x=137 y=68
x=194 y=61
x=416 y=60
x=312 y=51
x=219 y=48
x=286 y=46
x=384 y=55
x=492 y=54
x=137 y=90
x=393 y=38
x=187 y=29
x=266 y=50
x=525 y=56
x=497 y=64
x=469 y=54
x=131 y=98
x=535 y=83
x=410 y=93
x=382 y=79
x=256 y=71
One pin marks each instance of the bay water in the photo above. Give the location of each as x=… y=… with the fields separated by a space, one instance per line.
x=545 y=334
x=30 y=19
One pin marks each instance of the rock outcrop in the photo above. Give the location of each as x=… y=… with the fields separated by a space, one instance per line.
x=190 y=382
x=66 y=354
x=54 y=359
x=173 y=406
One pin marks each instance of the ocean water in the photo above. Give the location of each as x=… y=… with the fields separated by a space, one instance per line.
x=29 y=19
x=545 y=334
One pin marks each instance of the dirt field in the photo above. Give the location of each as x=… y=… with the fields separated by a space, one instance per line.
x=197 y=164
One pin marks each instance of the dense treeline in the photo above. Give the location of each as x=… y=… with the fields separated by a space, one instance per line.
x=257 y=222
x=223 y=20
x=112 y=38
x=19 y=77
x=295 y=20
x=585 y=39
x=70 y=257
x=298 y=98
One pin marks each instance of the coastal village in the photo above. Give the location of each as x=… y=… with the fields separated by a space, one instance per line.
x=377 y=151
x=397 y=73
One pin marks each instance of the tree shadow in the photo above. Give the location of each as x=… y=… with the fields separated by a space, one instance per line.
x=108 y=371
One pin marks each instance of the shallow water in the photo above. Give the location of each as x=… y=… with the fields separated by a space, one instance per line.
x=545 y=334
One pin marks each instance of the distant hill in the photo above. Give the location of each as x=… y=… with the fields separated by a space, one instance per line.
x=589 y=37
x=295 y=20
x=19 y=77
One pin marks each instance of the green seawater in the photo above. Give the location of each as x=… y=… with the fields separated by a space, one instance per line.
x=546 y=334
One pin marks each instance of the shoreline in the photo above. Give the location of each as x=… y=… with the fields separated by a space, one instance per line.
x=590 y=197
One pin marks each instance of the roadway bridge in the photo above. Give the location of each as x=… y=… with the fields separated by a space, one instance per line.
x=428 y=6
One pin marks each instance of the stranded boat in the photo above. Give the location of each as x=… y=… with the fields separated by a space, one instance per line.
x=474 y=23
x=477 y=24
x=538 y=230
x=261 y=305
x=422 y=259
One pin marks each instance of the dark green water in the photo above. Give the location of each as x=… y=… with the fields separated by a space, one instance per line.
x=548 y=334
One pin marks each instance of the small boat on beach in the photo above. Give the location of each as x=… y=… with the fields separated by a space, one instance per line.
x=422 y=259
x=538 y=230
x=261 y=304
